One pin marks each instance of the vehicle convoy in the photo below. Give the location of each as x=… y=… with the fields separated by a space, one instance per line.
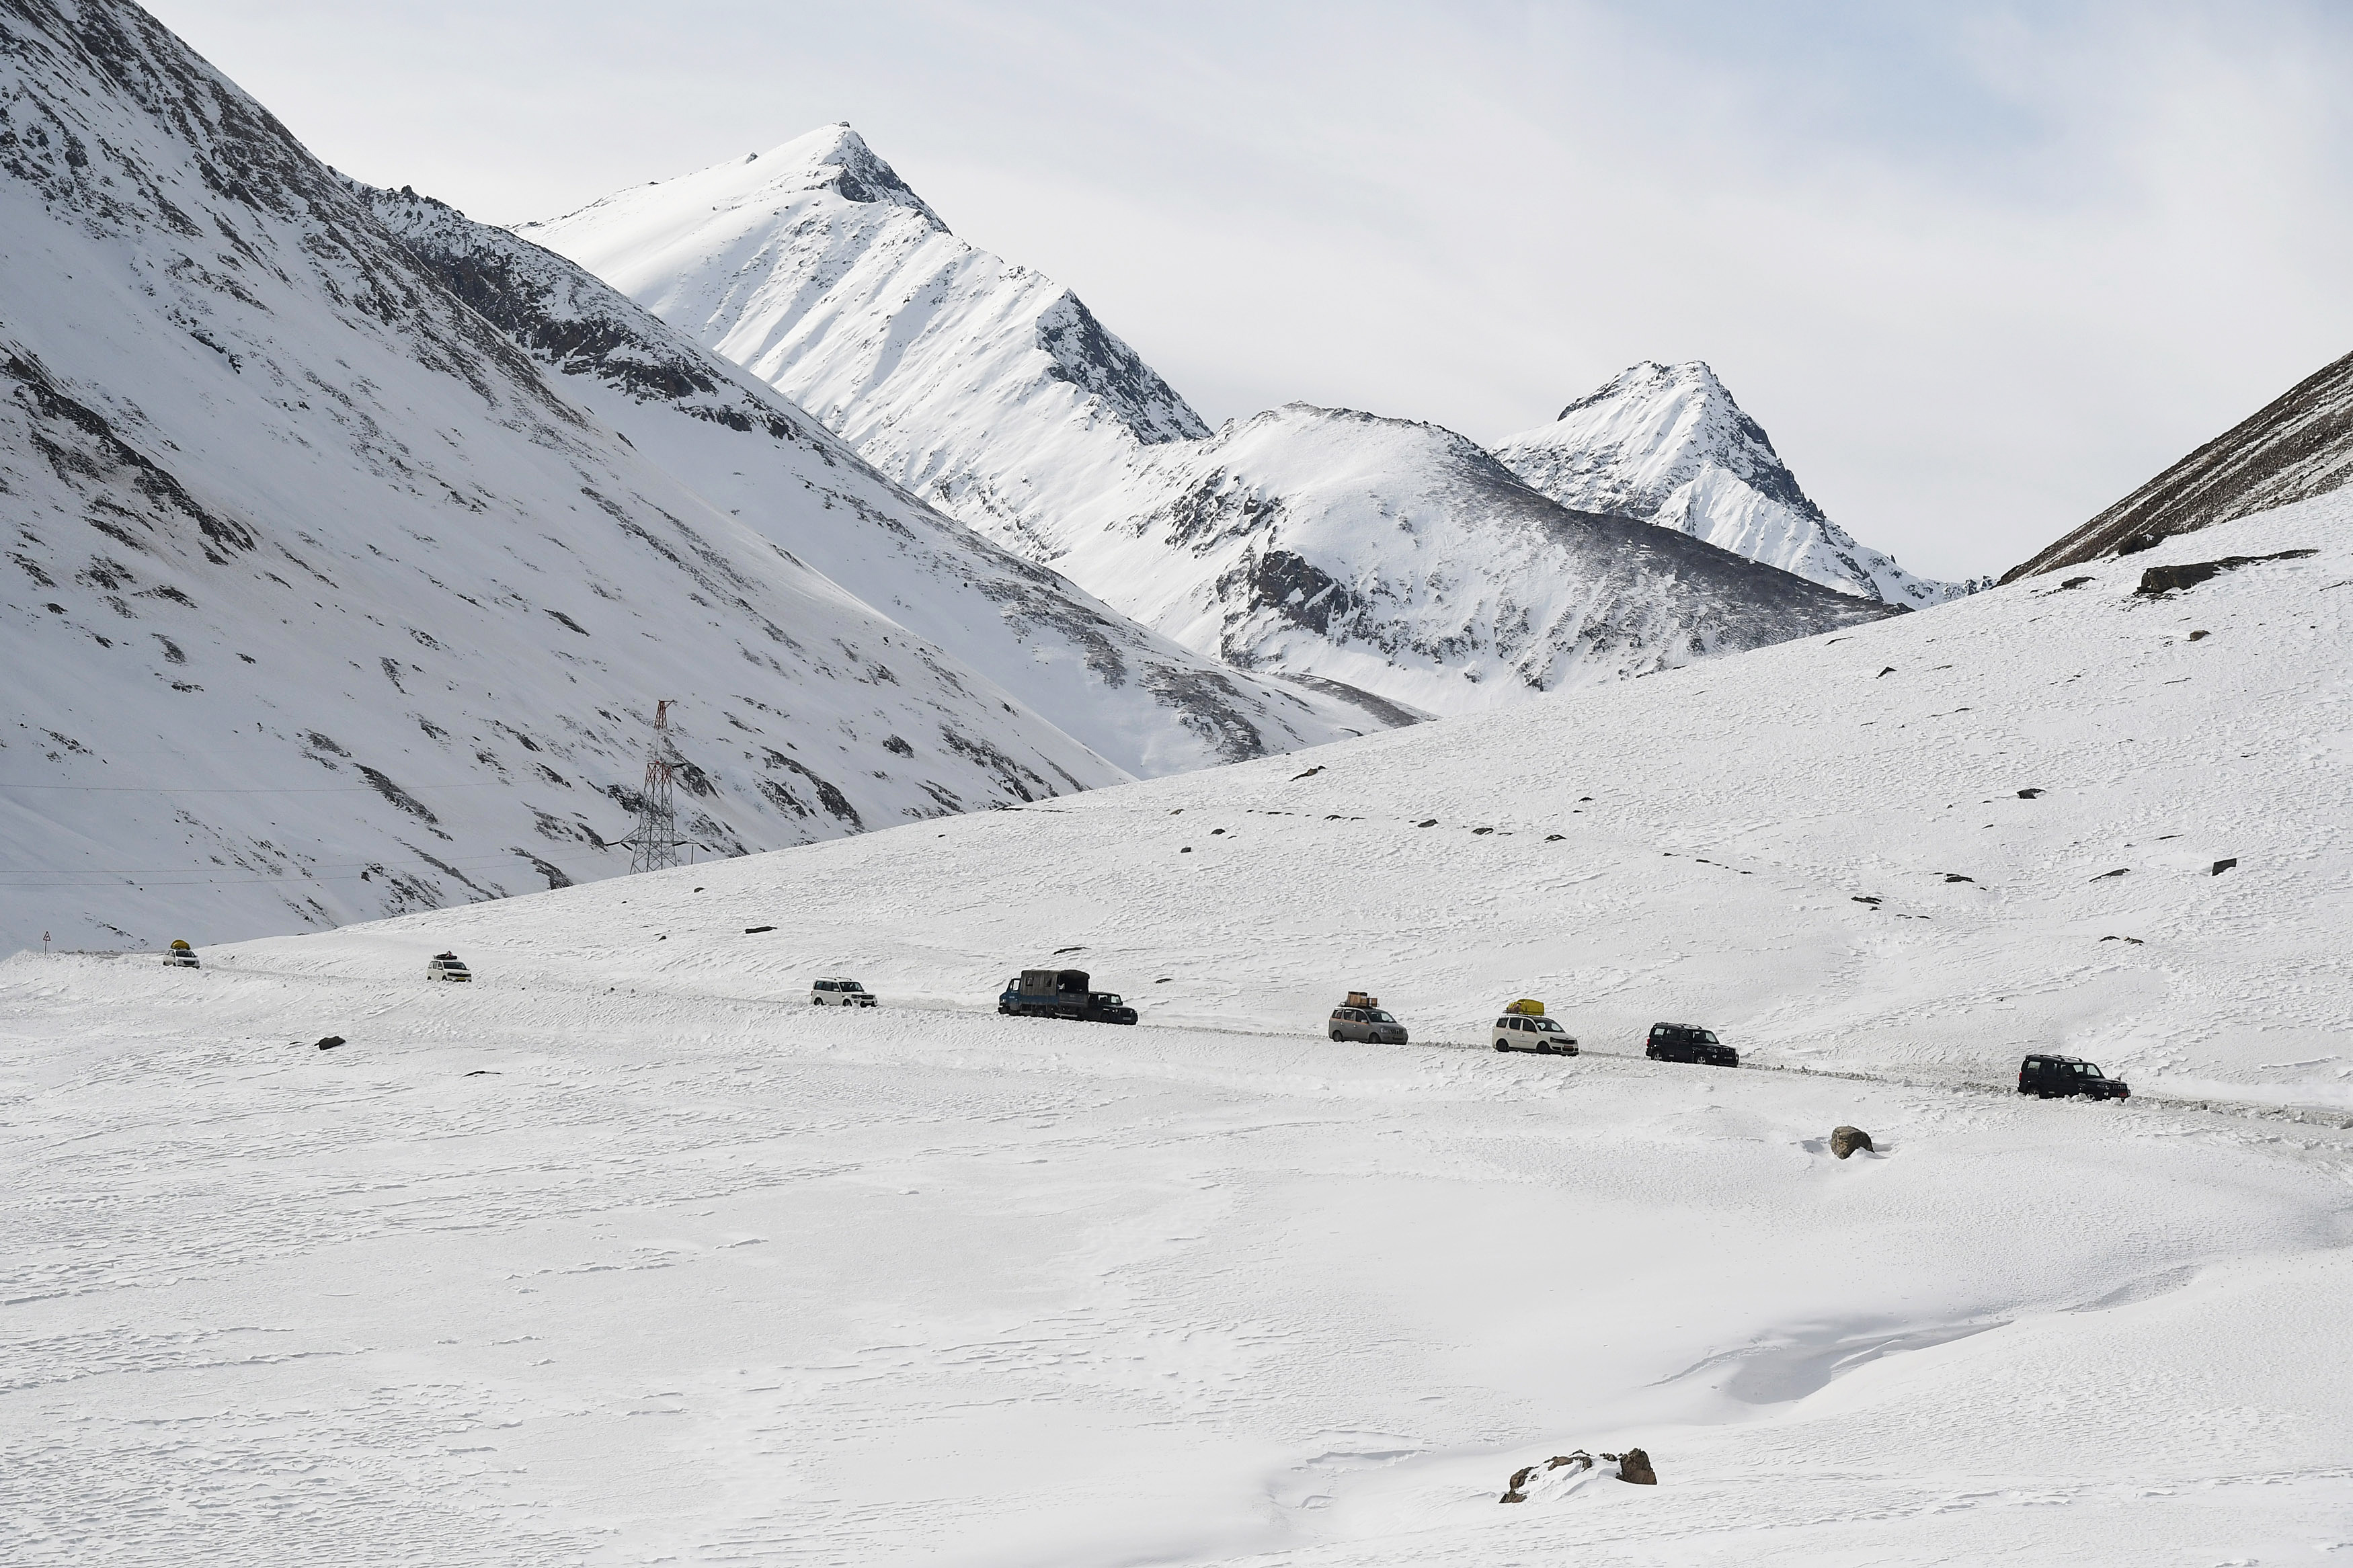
x=840 y=994
x=2047 y=1077
x=1061 y=993
x=447 y=966
x=1360 y=1019
x=180 y=955
x=1686 y=1043
x=1523 y=1028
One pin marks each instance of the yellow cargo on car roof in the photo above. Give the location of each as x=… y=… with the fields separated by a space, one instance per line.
x=1527 y=1005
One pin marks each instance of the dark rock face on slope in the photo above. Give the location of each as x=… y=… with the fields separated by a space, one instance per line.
x=2294 y=448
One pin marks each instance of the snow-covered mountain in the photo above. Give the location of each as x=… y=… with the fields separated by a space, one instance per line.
x=2298 y=446
x=1141 y=700
x=1668 y=444
x=326 y=602
x=1399 y=557
x=1425 y=573
x=980 y=385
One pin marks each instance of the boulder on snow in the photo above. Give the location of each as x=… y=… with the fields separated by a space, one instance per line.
x=2189 y=573
x=331 y=1042
x=1515 y=1490
x=1635 y=1466
x=2222 y=866
x=1846 y=1141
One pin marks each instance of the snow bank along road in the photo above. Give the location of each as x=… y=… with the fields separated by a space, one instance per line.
x=624 y=1252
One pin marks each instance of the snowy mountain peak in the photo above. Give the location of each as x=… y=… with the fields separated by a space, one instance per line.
x=842 y=161
x=816 y=268
x=1669 y=444
x=1680 y=418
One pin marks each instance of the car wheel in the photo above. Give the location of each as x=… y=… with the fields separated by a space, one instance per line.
x=1336 y=1034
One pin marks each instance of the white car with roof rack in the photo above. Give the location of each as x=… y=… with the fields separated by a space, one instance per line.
x=840 y=994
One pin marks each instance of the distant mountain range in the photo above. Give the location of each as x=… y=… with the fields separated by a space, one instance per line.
x=1392 y=555
x=352 y=543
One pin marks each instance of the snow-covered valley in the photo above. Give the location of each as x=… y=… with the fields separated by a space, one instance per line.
x=626 y=1253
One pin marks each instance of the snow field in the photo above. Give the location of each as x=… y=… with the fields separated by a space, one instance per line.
x=539 y=1272
x=626 y=1252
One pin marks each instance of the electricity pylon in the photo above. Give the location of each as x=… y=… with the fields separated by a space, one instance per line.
x=655 y=845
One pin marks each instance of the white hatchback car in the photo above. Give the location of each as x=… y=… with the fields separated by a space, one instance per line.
x=1518 y=1032
x=840 y=994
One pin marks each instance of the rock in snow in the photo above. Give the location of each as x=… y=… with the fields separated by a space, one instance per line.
x=1668 y=444
x=1325 y=544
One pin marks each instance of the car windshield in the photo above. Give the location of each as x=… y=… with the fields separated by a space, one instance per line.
x=1374 y=1015
x=852 y=985
x=1547 y=1026
x=1107 y=999
x=2087 y=1070
x=1705 y=1037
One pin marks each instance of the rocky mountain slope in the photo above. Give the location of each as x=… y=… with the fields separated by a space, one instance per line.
x=1141 y=700
x=1415 y=567
x=2298 y=446
x=1668 y=444
x=325 y=601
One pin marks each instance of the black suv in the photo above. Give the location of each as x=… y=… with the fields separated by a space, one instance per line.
x=1684 y=1043
x=2048 y=1076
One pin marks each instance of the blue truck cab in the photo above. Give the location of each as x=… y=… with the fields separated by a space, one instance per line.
x=1061 y=993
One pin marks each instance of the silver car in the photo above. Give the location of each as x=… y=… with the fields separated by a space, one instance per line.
x=1369 y=1025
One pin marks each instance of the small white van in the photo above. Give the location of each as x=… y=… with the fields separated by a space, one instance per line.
x=840 y=994
x=1520 y=1032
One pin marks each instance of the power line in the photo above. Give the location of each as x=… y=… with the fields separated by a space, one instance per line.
x=362 y=865
x=177 y=789
x=116 y=880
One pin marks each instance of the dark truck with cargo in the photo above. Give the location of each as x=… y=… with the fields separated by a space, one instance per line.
x=1061 y=993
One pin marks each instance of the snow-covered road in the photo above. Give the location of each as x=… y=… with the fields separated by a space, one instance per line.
x=542 y=1272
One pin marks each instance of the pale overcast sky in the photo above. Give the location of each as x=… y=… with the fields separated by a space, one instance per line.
x=1978 y=268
